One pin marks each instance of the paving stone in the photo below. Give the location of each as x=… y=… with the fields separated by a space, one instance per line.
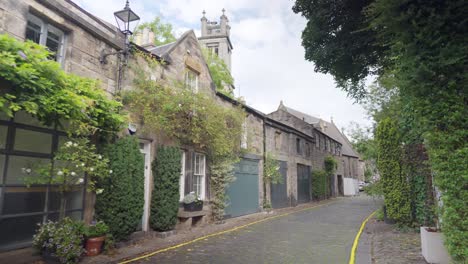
x=321 y=235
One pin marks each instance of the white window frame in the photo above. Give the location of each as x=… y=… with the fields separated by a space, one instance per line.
x=199 y=175
x=190 y=83
x=182 y=177
x=45 y=29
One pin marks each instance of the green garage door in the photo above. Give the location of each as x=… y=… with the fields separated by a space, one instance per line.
x=303 y=183
x=243 y=192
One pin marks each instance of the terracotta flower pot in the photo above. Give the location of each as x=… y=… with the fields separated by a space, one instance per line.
x=94 y=245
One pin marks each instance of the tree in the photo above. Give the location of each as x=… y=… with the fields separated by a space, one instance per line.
x=163 y=32
x=422 y=45
x=339 y=41
x=219 y=71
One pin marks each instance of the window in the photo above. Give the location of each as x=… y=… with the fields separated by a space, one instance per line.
x=298 y=146
x=29 y=145
x=277 y=140
x=182 y=177
x=199 y=176
x=191 y=80
x=307 y=149
x=317 y=141
x=47 y=35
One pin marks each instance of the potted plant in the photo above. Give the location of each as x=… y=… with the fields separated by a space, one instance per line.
x=60 y=242
x=95 y=236
x=192 y=203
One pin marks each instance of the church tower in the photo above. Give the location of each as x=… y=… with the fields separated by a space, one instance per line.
x=216 y=37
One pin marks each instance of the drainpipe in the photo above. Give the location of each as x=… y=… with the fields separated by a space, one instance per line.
x=264 y=160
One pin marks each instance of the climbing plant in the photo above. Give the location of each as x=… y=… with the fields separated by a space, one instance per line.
x=120 y=205
x=165 y=195
x=271 y=169
x=319 y=184
x=395 y=185
x=195 y=119
x=39 y=86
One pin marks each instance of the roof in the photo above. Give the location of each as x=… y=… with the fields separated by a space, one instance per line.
x=307 y=118
x=329 y=129
x=163 y=49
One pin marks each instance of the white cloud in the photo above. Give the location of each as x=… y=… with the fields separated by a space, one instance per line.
x=268 y=60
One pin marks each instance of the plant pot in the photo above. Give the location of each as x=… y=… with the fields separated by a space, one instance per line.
x=49 y=259
x=94 y=245
x=432 y=246
x=193 y=207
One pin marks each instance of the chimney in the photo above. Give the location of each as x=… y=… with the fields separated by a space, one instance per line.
x=145 y=38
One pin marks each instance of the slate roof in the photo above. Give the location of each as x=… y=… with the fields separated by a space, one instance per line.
x=307 y=118
x=163 y=49
x=330 y=130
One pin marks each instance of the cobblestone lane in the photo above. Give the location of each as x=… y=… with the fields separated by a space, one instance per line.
x=320 y=235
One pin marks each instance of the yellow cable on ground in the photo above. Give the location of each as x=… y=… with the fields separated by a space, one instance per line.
x=218 y=233
x=352 y=258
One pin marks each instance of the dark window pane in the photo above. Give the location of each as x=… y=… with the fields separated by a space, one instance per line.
x=32 y=141
x=74 y=199
x=3 y=136
x=76 y=215
x=33 y=32
x=25 y=118
x=24 y=200
x=18 y=230
x=17 y=166
x=2 y=167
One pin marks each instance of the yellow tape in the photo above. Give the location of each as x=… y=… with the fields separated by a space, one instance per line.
x=352 y=258
x=218 y=233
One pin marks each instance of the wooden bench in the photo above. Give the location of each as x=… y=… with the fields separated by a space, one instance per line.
x=187 y=220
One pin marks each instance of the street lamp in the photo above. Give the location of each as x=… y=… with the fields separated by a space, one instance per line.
x=126 y=19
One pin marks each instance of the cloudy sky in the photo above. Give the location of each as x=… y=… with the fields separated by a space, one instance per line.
x=268 y=60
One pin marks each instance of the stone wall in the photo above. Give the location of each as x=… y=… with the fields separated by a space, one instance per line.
x=82 y=46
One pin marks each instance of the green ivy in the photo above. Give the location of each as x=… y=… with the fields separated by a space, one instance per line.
x=37 y=85
x=319 y=184
x=395 y=185
x=195 y=119
x=219 y=71
x=120 y=205
x=165 y=196
x=416 y=168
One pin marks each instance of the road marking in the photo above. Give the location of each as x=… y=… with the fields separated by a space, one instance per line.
x=220 y=233
x=352 y=257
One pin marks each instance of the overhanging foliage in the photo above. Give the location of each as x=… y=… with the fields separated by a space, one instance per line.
x=37 y=85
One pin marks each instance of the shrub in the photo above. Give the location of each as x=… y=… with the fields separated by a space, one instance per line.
x=63 y=239
x=395 y=185
x=165 y=197
x=319 y=184
x=120 y=204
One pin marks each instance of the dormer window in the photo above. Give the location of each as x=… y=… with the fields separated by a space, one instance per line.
x=191 y=80
x=47 y=35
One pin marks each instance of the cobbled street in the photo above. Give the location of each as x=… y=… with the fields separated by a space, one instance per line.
x=320 y=235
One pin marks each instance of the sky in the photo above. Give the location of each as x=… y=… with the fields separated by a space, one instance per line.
x=268 y=62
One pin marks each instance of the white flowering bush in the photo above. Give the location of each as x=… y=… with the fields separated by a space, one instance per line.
x=72 y=162
x=63 y=240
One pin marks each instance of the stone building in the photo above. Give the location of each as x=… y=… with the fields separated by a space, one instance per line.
x=77 y=39
x=217 y=37
x=329 y=138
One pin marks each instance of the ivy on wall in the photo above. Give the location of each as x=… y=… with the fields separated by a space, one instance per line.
x=33 y=83
x=321 y=179
x=195 y=119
